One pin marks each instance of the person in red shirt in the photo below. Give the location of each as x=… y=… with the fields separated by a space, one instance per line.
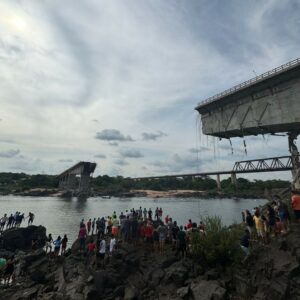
x=189 y=225
x=296 y=204
x=91 y=248
x=142 y=231
x=88 y=225
x=167 y=219
x=149 y=233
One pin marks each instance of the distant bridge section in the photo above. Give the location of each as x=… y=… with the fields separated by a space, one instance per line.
x=268 y=103
x=77 y=178
x=271 y=164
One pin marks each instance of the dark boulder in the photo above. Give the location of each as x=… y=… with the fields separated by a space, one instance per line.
x=21 y=238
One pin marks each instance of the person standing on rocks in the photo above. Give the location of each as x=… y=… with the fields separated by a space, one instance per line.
x=102 y=251
x=249 y=222
x=49 y=242
x=162 y=231
x=155 y=240
x=149 y=233
x=175 y=230
x=296 y=204
x=91 y=247
x=160 y=213
x=181 y=236
x=9 y=270
x=112 y=245
x=30 y=218
x=259 y=225
x=82 y=238
x=145 y=214
x=93 y=225
x=245 y=243
x=156 y=213
x=3 y=222
x=88 y=225
x=57 y=244
x=64 y=242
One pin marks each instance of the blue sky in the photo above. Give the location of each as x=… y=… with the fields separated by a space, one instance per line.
x=116 y=82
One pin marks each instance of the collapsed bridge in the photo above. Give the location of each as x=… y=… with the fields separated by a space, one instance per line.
x=266 y=104
x=77 y=178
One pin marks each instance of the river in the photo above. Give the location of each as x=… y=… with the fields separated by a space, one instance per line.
x=62 y=216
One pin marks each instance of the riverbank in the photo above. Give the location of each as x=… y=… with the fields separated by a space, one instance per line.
x=178 y=193
x=137 y=272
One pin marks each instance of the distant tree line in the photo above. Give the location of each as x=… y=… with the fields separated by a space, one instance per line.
x=22 y=181
x=201 y=184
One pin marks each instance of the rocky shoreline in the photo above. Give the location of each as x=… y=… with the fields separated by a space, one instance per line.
x=137 y=272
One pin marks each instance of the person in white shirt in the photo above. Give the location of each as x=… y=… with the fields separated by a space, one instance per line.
x=112 y=245
x=102 y=250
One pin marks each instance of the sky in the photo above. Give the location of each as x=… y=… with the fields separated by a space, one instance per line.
x=116 y=82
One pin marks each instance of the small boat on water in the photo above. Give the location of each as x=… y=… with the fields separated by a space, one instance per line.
x=105 y=197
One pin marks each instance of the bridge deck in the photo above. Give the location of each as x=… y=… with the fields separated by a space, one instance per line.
x=271 y=164
x=239 y=87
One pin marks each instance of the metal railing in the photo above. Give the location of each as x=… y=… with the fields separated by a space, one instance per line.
x=249 y=82
x=282 y=163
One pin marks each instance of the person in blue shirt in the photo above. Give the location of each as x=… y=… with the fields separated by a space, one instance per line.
x=57 y=244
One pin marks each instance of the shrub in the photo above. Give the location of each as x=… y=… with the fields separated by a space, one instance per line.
x=220 y=245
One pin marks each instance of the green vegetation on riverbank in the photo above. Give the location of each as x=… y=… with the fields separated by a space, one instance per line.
x=220 y=246
x=19 y=182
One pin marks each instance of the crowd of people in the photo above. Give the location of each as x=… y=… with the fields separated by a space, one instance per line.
x=137 y=226
x=15 y=220
x=268 y=221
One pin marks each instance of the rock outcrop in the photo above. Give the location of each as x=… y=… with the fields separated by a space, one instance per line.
x=137 y=272
x=21 y=238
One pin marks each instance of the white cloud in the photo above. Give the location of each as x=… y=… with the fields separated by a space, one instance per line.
x=9 y=153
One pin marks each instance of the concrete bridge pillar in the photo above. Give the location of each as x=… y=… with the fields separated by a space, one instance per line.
x=218 y=182
x=233 y=179
x=295 y=159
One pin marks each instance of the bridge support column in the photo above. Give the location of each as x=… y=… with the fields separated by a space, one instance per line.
x=218 y=182
x=233 y=179
x=295 y=159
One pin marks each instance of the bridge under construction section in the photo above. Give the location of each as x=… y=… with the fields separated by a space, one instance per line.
x=266 y=104
x=77 y=178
